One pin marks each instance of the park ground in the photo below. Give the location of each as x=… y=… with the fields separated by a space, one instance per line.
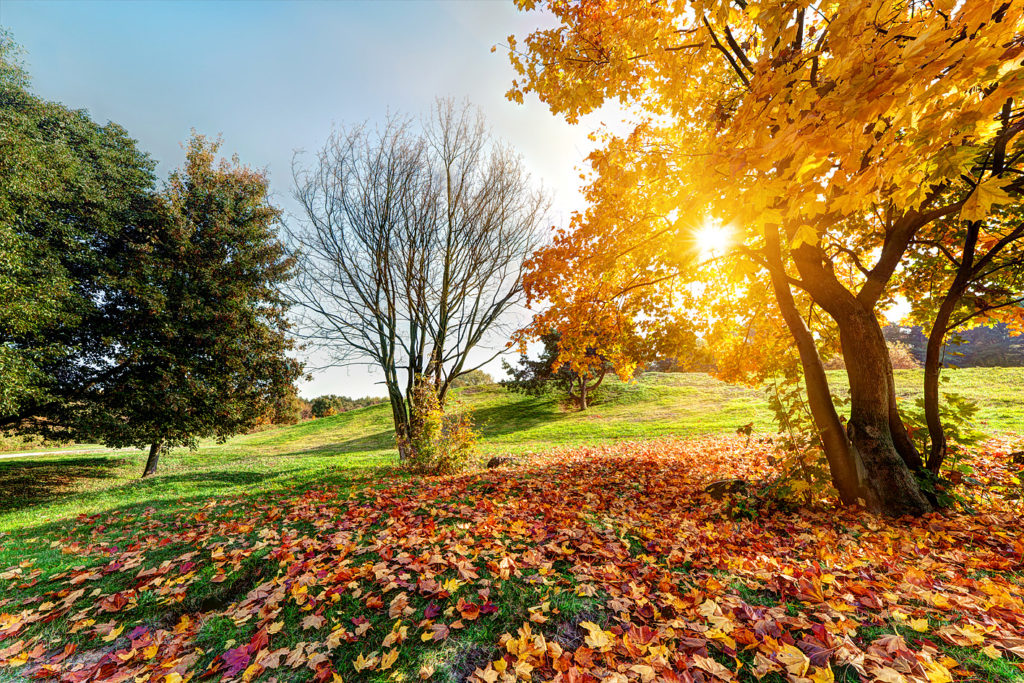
x=303 y=553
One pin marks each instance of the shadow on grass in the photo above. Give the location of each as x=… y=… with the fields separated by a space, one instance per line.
x=217 y=479
x=162 y=492
x=371 y=442
x=26 y=483
x=526 y=413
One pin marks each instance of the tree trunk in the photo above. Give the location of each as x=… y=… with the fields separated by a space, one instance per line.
x=932 y=368
x=901 y=437
x=583 y=394
x=154 y=457
x=890 y=486
x=402 y=427
x=933 y=352
x=847 y=477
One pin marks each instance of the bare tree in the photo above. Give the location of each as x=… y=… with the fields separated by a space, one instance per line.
x=412 y=246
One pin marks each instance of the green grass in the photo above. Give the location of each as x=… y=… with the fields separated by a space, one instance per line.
x=43 y=489
x=239 y=481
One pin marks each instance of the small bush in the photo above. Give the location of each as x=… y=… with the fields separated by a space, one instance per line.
x=440 y=442
x=330 y=404
x=473 y=378
x=902 y=357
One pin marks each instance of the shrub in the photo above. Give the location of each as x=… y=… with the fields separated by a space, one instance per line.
x=902 y=357
x=440 y=442
x=473 y=378
x=330 y=404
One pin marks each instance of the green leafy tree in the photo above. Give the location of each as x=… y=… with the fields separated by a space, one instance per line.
x=331 y=404
x=203 y=348
x=473 y=378
x=71 y=191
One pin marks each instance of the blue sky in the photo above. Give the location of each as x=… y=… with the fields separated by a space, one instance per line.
x=272 y=77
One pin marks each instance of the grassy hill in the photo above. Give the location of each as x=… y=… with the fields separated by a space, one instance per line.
x=47 y=488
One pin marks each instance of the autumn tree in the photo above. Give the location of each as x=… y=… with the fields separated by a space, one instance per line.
x=965 y=272
x=823 y=136
x=578 y=381
x=411 y=248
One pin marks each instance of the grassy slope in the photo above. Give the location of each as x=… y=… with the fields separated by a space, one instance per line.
x=47 y=488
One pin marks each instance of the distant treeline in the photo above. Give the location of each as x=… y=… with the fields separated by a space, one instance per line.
x=979 y=347
x=330 y=404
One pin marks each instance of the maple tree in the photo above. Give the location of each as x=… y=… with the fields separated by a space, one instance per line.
x=825 y=136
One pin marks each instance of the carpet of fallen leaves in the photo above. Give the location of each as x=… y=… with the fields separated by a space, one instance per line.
x=606 y=563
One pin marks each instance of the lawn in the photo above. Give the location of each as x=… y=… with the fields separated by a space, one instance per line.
x=50 y=488
x=301 y=553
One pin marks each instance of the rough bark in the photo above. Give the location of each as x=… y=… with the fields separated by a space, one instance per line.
x=155 y=449
x=891 y=487
x=401 y=419
x=888 y=484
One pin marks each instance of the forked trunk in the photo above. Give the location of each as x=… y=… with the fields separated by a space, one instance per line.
x=155 y=449
x=846 y=476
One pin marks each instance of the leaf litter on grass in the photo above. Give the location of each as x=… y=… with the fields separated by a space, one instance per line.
x=587 y=564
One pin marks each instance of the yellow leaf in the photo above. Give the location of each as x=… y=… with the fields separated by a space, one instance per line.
x=795 y=661
x=936 y=672
x=113 y=634
x=919 y=625
x=596 y=638
x=646 y=672
x=991 y=652
x=488 y=675
x=275 y=627
x=173 y=677
x=823 y=674
x=805 y=234
x=387 y=660
x=987 y=193
x=364 y=662
x=709 y=608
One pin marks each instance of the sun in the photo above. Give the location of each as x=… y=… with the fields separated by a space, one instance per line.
x=713 y=240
